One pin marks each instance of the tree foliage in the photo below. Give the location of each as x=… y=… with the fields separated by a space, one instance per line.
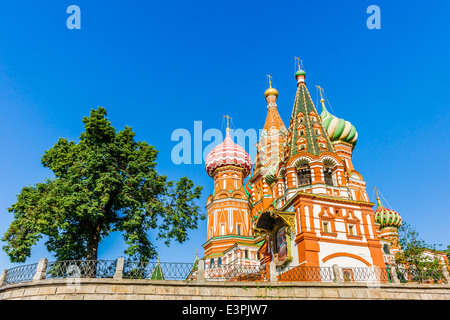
x=106 y=182
x=416 y=255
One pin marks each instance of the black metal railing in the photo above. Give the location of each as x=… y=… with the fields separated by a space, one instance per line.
x=21 y=273
x=80 y=269
x=306 y=273
x=236 y=272
x=157 y=270
x=365 y=274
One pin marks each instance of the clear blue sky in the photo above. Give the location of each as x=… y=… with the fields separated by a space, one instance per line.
x=160 y=66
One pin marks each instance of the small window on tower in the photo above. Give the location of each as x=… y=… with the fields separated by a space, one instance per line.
x=302 y=147
x=325 y=227
x=328 y=175
x=351 y=230
x=238 y=229
x=303 y=175
x=301 y=132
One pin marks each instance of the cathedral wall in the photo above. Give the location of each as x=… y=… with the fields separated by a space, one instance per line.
x=343 y=255
x=336 y=244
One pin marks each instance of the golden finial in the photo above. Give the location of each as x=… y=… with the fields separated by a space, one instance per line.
x=270 y=82
x=321 y=97
x=228 y=124
x=322 y=100
x=378 y=198
x=299 y=62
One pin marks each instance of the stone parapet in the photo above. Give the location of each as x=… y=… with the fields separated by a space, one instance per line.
x=134 y=289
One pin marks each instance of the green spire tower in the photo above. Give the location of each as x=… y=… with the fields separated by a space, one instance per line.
x=306 y=132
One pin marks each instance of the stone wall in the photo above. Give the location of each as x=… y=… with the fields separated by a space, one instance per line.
x=125 y=289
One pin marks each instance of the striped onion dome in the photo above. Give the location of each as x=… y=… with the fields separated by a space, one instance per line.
x=228 y=154
x=338 y=129
x=386 y=217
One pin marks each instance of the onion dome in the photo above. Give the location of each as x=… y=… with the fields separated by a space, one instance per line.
x=338 y=129
x=228 y=154
x=387 y=217
x=271 y=92
x=300 y=76
x=300 y=72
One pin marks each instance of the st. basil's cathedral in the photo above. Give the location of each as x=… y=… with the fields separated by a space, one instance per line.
x=304 y=203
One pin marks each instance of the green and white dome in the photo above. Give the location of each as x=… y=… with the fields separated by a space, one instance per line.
x=338 y=129
x=387 y=217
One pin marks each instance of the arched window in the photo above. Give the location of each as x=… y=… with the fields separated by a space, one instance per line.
x=304 y=175
x=219 y=261
x=327 y=174
x=386 y=249
x=246 y=254
x=329 y=164
x=212 y=262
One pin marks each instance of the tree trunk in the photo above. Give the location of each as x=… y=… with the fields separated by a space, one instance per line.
x=92 y=252
x=92 y=247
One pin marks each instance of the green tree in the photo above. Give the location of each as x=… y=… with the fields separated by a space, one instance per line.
x=106 y=182
x=418 y=256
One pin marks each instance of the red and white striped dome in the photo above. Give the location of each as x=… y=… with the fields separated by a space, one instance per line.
x=228 y=154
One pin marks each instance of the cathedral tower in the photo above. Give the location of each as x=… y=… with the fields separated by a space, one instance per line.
x=389 y=221
x=269 y=152
x=320 y=214
x=229 y=235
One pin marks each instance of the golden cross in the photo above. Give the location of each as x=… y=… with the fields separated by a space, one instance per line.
x=320 y=90
x=270 y=82
x=376 y=191
x=228 y=118
x=298 y=61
